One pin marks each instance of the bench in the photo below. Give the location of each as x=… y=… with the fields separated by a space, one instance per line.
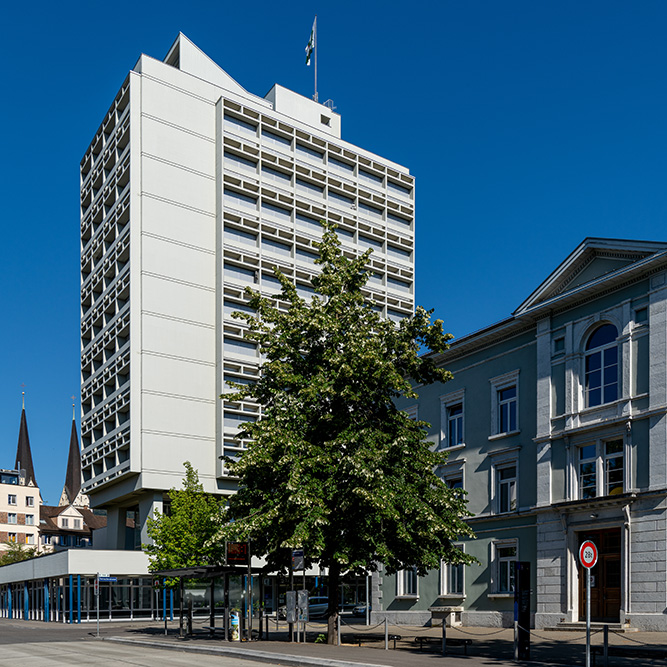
x=437 y=641
x=630 y=651
x=375 y=637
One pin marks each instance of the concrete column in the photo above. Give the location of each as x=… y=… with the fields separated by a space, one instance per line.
x=115 y=532
x=147 y=505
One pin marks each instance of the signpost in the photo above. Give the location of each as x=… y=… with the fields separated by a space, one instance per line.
x=97 y=599
x=98 y=579
x=588 y=557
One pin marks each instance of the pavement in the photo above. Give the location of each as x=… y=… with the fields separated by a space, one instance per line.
x=489 y=646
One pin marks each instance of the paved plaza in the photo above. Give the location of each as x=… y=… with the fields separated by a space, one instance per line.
x=31 y=643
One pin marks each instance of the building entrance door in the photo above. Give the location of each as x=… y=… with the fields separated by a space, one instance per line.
x=605 y=577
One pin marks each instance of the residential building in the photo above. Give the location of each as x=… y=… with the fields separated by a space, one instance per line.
x=67 y=526
x=19 y=495
x=192 y=190
x=556 y=428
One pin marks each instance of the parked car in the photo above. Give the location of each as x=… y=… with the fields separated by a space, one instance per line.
x=360 y=610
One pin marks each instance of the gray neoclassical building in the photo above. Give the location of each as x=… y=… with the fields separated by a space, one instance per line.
x=555 y=426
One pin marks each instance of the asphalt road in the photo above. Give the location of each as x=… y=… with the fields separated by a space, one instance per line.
x=28 y=643
x=80 y=653
x=32 y=644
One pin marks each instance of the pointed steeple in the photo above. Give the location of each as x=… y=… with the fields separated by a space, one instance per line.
x=23 y=453
x=71 y=494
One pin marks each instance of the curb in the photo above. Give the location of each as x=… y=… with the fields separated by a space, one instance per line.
x=246 y=654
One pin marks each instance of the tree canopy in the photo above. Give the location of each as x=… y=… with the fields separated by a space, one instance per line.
x=15 y=553
x=333 y=465
x=183 y=537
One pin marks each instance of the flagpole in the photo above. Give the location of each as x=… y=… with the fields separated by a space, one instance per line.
x=315 y=48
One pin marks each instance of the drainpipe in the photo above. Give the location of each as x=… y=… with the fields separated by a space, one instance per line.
x=626 y=558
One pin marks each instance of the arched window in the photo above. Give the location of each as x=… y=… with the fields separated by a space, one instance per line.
x=602 y=366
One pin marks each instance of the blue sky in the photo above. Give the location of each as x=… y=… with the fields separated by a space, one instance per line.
x=528 y=125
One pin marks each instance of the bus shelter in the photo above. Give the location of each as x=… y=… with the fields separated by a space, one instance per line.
x=216 y=596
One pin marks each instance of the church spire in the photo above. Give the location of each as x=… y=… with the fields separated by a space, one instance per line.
x=23 y=453
x=71 y=494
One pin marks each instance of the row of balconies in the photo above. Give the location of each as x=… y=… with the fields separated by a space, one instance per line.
x=104 y=198
x=318 y=174
x=249 y=220
x=249 y=115
x=118 y=371
x=379 y=296
x=105 y=309
x=98 y=223
x=117 y=330
x=112 y=457
x=105 y=278
x=109 y=168
x=114 y=116
x=267 y=231
x=357 y=202
x=114 y=148
x=108 y=410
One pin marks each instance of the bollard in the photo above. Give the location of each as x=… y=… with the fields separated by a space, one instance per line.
x=605 y=648
x=444 y=637
x=386 y=634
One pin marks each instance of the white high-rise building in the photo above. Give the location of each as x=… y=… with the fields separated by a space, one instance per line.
x=191 y=190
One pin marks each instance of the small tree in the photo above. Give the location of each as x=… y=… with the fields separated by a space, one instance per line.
x=14 y=552
x=182 y=538
x=333 y=466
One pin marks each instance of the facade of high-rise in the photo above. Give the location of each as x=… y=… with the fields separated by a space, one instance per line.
x=191 y=190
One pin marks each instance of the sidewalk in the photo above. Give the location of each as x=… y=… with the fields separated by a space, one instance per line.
x=489 y=646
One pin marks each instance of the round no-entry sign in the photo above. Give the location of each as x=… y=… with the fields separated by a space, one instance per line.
x=588 y=554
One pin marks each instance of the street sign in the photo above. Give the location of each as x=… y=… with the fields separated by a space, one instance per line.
x=237 y=553
x=113 y=580
x=297 y=560
x=588 y=554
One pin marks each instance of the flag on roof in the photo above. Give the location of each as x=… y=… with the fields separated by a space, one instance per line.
x=310 y=47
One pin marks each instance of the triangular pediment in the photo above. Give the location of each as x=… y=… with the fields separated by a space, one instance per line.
x=593 y=261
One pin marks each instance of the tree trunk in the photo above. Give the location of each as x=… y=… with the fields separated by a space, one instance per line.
x=334 y=597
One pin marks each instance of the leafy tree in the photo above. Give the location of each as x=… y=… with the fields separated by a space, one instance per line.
x=182 y=538
x=14 y=552
x=334 y=467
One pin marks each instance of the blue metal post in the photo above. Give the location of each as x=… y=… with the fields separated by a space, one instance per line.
x=71 y=598
x=164 y=599
x=46 y=600
x=171 y=604
x=26 y=608
x=9 y=601
x=78 y=598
